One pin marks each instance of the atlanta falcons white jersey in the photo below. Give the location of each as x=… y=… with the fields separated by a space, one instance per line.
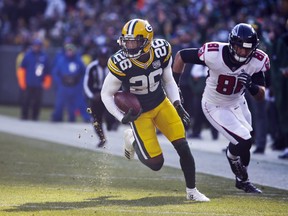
x=222 y=86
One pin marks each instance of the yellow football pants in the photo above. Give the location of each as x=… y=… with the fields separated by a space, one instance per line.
x=166 y=119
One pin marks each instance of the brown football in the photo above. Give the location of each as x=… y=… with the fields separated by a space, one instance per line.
x=125 y=100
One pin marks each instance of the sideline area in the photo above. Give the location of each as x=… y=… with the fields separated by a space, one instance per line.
x=266 y=170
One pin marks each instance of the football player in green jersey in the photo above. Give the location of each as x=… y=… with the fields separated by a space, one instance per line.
x=143 y=67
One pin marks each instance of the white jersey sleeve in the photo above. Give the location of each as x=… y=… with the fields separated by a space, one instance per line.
x=169 y=84
x=110 y=87
x=222 y=86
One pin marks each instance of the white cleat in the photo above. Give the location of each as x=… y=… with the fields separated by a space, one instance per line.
x=129 y=151
x=195 y=195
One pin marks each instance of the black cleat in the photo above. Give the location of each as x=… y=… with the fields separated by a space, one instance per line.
x=237 y=168
x=247 y=186
x=101 y=144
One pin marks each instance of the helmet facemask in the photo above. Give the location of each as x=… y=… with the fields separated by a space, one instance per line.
x=236 y=52
x=136 y=39
x=132 y=46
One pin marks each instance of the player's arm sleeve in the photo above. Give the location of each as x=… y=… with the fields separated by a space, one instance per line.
x=259 y=78
x=169 y=83
x=191 y=55
x=110 y=86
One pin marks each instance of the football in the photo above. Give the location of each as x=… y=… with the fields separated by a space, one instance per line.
x=125 y=100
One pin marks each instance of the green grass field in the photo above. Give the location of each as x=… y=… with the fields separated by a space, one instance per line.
x=44 y=178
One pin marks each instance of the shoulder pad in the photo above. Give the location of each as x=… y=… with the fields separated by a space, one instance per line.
x=162 y=49
x=112 y=65
x=261 y=59
x=210 y=50
x=259 y=55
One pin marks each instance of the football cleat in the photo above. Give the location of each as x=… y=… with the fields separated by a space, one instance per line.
x=195 y=195
x=129 y=150
x=101 y=144
x=237 y=167
x=247 y=186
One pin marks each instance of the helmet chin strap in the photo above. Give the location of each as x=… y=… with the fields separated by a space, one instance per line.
x=133 y=55
x=236 y=57
x=239 y=58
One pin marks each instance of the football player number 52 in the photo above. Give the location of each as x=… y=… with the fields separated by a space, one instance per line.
x=228 y=85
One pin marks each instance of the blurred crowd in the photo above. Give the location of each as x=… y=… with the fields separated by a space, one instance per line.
x=92 y=24
x=95 y=22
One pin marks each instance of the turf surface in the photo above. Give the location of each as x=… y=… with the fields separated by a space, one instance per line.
x=43 y=178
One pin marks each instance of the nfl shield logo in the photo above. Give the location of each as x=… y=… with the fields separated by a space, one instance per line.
x=156 y=64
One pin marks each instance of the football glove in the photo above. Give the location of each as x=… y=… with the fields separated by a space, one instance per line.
x=181 y=95
x=245 y=79
x=129 y=117
x=182 y=113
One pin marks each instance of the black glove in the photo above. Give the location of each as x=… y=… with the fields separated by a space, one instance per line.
x=245 y=79
x=181 y=95
x=182 y=113
x=129 y=117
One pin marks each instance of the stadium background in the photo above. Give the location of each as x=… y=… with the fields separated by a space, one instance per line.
x=92 y=24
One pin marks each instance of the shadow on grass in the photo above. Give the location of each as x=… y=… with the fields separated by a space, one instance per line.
x=100 y=202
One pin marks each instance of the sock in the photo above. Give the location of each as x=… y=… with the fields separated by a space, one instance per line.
x=190 y=190
x=186 y=162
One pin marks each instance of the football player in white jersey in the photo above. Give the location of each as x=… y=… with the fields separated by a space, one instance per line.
x=235 y=67
x=143 y=67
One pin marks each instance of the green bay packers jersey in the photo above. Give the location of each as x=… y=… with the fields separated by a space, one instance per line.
x=143 y=79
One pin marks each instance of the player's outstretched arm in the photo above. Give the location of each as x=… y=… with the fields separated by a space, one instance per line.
x=178 y=67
